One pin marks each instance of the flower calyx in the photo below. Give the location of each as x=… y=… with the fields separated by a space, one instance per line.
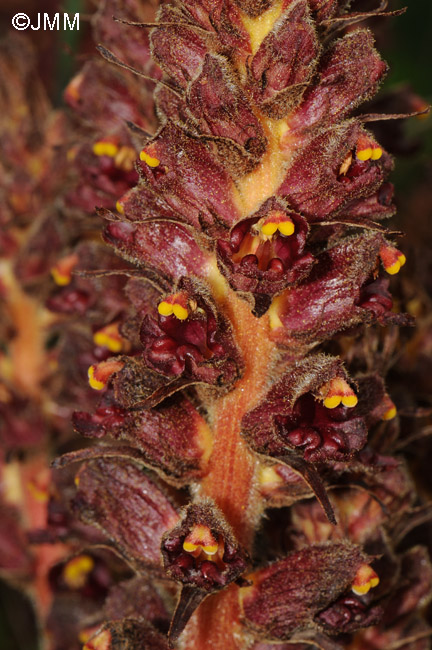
x=190 y=338
x=265 y=253
x=202 y=551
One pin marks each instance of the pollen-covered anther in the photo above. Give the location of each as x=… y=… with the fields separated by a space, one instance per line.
x=76 y=571
x=99 y=374
x=109 y=337
x=365 y=580
x=101 y=641
x=274 y=222
x=392 y=259
x=119 y=208
x=148 y=155
x=367 y=149
x=337 y=391
x=62 y=271
x=390 y=409
x=105 y=148
x=177 y=305
x=200 y=539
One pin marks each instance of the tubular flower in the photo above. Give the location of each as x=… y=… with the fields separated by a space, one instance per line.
x=214 y=339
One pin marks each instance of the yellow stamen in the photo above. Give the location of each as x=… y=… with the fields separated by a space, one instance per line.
x=364 y=154
x=286 y=228
x=269 y=228
x=119 y=208
x=180 y=312
x=62 y=271
x=390 y=414
x=350 y=401
x=165 y=308
x=75 y=572
x=338 y=391
x=365 y=580
x=102 y=148
x=392 y=259
x=61 y=279
x=332 y=402
x=376 y=153
x=201 y=538
x=109 y=337
x=151 y=161
x=393 y=268
x=96 y=384
x=175 y=304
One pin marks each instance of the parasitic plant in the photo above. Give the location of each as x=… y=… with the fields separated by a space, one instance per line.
x=243 y=468
x=257 y=259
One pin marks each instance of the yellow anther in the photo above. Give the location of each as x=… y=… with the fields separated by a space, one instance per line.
x=61 y=279
x=390 y=414
x=392 y=259
x=165 y=308
x=77 y=481
x=338 y=391
x=332 y=402
x=75 y=572
x=350 y=401
x=109 y=338
x=102 y=148
x=62 y=271
x=201 y=539
x=376 y=153
x=393 y=268
x=286 y=228
x=151 y=161
x=94 y=383
x=180 y=312
x=269 y=228
x=211 y=549
x=364 y=154
x=172 y=305
x=365 y=580
x=119 y=208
